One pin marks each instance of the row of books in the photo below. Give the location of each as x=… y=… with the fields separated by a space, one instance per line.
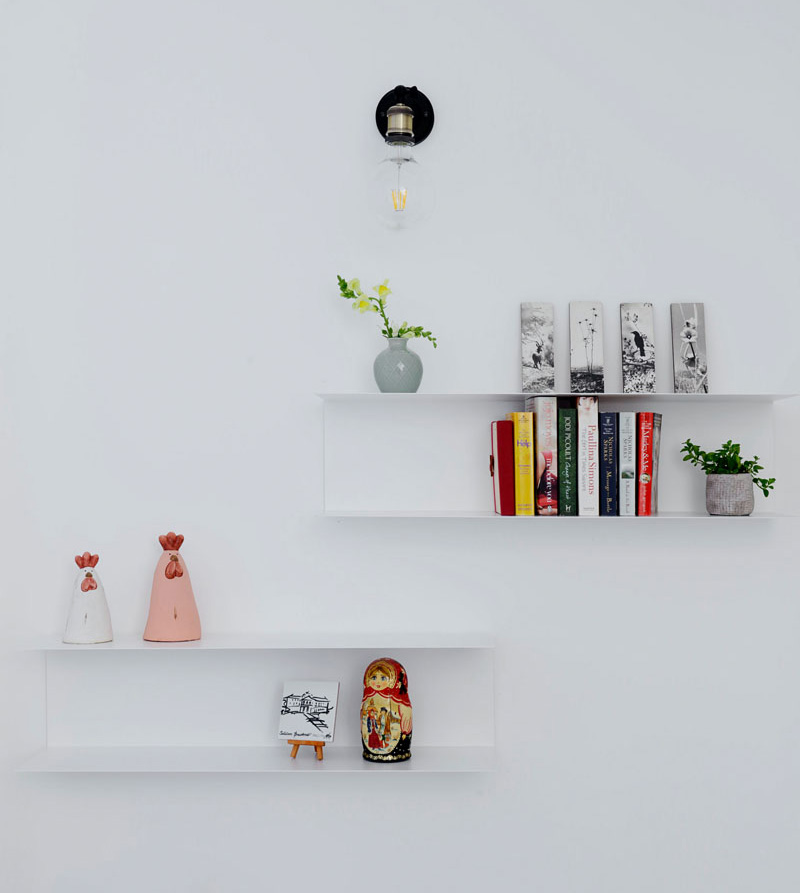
x=562 y=456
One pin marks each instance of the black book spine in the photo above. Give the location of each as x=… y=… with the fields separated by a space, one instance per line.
x=567 y=461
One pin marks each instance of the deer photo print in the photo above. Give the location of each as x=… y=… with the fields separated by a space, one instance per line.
x=638 y=348
x=689 y=360
x=538 y=365
x=586 y=347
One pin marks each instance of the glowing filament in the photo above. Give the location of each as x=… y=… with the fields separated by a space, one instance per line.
x=399 y=199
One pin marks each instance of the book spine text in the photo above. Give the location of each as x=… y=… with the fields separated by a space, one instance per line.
x=567 y=461
x=627 y=463
x=546 y=427
x=588 y=457
x=523 y=461
x=644 y=471
x=608 y=464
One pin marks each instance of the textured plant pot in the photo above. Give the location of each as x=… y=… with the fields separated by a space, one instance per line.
x=397 y=369
x=729 y=494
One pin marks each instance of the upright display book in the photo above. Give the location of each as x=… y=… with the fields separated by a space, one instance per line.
x=586 y=347
x=567 y=460
x=637 y=332
x=609 y=469
x=656 y=452
x=545 y=422
x=644 y=463
x=588 y=457
x=523 y=462
x=538 y=366
x=689 y=358
x=501 y=467
x=627 y=463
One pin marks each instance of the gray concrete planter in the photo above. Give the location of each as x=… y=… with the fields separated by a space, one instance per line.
x=729 y=494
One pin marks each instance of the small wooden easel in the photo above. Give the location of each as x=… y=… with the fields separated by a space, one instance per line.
x=317 y=745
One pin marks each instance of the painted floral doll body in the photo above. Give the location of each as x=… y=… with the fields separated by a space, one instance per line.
x=386 y=712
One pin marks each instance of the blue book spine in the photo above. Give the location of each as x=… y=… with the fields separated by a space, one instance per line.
x=609 y=464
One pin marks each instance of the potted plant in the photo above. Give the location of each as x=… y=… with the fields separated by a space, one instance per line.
x=729 y=478
x=397 y=369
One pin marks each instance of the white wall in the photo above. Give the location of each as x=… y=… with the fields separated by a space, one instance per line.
x=181 y=183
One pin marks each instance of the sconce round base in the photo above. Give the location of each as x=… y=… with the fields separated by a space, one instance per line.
x=417 y=101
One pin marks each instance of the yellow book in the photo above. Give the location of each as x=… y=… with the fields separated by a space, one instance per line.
x=524 y=479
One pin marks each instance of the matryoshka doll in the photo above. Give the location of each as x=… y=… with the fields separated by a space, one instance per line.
x=89 y=621
x=173 y=612
x=386 y=712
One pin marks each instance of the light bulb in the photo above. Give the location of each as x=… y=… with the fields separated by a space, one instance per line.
x=403 y=194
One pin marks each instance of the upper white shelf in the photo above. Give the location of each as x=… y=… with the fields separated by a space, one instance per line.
x=491 y=398
x=284 y=642
x=538 y=519
x=426 y=455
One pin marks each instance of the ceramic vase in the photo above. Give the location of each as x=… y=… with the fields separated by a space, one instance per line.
x=89 y=621
x=386 y=713
x=173 y=613
x=397 y=369
x=729 y=494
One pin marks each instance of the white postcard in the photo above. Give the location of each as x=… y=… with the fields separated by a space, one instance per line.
x=308 y=710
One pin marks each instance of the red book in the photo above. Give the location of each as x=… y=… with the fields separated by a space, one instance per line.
x=501 y=467
x=644 y=463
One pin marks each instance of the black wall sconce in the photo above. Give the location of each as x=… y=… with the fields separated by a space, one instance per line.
x=404 y=195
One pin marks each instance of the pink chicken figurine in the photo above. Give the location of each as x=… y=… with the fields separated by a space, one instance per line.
x=173 y=612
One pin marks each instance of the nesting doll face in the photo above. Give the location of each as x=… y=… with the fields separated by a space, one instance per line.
x=380 y=676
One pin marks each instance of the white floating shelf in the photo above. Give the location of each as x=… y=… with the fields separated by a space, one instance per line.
x=284 y=642
x=432 y=460
x=673 y=516
x=252 y=759
x=491 y=398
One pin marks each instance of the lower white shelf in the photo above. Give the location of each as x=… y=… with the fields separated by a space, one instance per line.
x=291 y=641
x=252 y=759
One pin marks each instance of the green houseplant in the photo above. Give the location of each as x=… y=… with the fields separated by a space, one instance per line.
x=729 y=477
x=397 y=369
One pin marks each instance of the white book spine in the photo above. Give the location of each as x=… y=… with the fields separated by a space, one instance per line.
x=588 y=457
x=546 y=428
x=627 y=463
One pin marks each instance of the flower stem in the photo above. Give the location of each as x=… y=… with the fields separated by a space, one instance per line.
x=378 y=304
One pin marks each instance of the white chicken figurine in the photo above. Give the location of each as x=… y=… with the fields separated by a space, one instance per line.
x=89 y=621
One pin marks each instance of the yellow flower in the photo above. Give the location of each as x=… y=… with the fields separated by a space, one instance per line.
x=383 y=289
x=355 y=285
x=362 y=305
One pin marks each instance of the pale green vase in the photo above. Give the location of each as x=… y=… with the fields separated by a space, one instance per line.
x=397 y=369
